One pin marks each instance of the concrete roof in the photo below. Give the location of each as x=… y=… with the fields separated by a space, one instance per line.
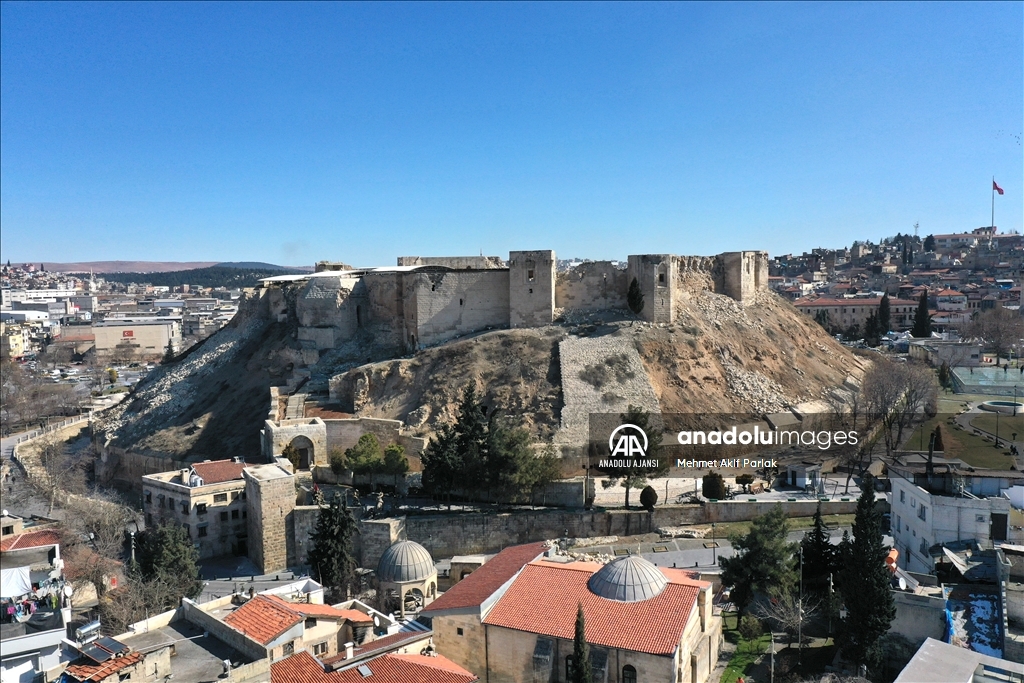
x=937 y=662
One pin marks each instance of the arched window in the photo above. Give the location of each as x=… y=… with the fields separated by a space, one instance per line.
x=628 y=674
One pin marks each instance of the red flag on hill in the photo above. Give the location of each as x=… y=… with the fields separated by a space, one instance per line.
x=996 y=187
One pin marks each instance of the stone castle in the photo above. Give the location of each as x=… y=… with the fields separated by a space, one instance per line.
x=425 y=301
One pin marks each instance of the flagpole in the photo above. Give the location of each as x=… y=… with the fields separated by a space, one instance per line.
x=993 y=224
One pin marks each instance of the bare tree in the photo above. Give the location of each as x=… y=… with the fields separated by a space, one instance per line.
x=999 y=328
x=895 y=393
x=60 y=473
x=787 y=612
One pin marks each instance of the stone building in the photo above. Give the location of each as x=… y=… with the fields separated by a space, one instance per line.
x=513 y=620
x=406 y=572
x=429 y=300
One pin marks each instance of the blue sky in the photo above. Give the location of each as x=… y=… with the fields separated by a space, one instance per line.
x=291 y=133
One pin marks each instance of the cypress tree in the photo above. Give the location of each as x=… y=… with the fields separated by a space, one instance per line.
x=763 y=559
x=332 y=557
x=581 y=670
x=866 y=583
x=884 y=315
x=819 y=553
x=635 y=299
x=922 y=319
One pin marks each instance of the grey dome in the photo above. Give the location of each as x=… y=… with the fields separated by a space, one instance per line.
x=405 y=561
x=629 y=579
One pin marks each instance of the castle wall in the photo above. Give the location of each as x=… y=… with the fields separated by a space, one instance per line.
x=656 y=275
x=277 y=435
x=531 y=288
x=343 y=434
x=594 y=286
x=385 y=312
x=456 y=262
x=446 y=304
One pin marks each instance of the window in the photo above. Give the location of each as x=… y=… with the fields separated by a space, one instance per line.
x=310 y=622
x=243 y=495
x=320 y=648
x=184 y=508
x=170 y=504
x=149 y=497
x=245 y=514
x=8 y=530
x=628 y=674
x=161 y=499
x=459 y=631
x=924 y=546
x=202 y=530
x=149 y=519
x=570 y=662
x=542 y=655
x=288 y=649
x=903 y=496
x=234 y=514
x=922 y=512
x=899 y=524
x=220 y=498
x=200 y=508
x=234 y=495
x=223 y=515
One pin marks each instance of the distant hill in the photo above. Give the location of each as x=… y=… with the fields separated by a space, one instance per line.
x=213 y=276
x=260 y=265
x=124 y=266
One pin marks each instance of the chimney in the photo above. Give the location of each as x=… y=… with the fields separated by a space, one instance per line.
x=349 y=650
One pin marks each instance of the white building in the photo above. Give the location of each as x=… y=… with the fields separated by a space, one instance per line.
x=137 y=337
x=946 y=505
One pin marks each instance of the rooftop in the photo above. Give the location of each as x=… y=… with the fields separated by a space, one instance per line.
x=473 y=590
x=218 y=471
x=197 y=658
x=543 y=599
x=937 y=661
x=389 y=668
x=30 y=539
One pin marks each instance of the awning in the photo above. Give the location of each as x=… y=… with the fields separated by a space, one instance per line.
x=15 y=582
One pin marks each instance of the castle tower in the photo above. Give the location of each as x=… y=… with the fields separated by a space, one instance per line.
x=656 y=275
x=746 y=273
x=531 y=288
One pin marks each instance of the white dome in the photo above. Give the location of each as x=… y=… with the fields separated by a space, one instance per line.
x=405 y=561
x=629 y=579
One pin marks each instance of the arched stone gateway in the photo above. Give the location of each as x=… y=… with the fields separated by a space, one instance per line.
x=306 y=450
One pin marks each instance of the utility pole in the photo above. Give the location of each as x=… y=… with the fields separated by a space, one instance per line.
x=800 y=612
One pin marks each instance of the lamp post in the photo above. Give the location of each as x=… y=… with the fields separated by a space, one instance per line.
x=800 y=613
x=773 y=656
x=714 y=546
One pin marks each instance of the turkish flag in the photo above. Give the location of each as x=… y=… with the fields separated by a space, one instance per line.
x=996 y=187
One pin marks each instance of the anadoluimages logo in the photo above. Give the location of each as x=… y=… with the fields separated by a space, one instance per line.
x=627 y=445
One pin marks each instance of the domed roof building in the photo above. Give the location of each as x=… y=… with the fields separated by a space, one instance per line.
x=407 y=569
x=628 y=579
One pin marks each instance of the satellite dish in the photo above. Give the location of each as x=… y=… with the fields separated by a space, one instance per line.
x=6 y=513
x=376 y=621
x=903 y=584
x=68 y=591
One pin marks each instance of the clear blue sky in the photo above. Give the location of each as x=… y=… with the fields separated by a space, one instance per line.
x=290 y=133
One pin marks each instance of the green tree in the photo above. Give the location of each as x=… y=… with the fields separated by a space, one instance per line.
x=944 y=375
x=366 y=457
x=884 y=315
x=635 y=299
x=819 y=553
x=865 y=585
x=872 y=331
x=922 y=319
x=112 y=375
x=455 y=457
x=395 y=462
x=713 y=486
x=442 y=464
x=745 y=480
x=763 y=559
x=937 y=444
x=581 y=669
x=929 y=243
x=636 y=477
x=648 y=498
x=823 y=319
x=337 y=461
x=514 y=468
x=750 y=628
x=167 y=554
x=291 y=453
x=332 y=557
x=168 y=353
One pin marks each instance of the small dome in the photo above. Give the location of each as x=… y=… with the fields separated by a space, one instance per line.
x=630 y=579
x=405 y=561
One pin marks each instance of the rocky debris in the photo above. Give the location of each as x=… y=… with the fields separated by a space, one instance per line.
x=596 y=540
x=683 y=532
x=760 y=393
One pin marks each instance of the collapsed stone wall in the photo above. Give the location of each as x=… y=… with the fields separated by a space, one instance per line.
x=592 y=286
x=455 y=262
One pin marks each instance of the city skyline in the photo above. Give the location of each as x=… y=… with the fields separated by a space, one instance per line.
x=295 y=133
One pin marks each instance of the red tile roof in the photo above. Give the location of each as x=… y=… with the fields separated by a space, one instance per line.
x=97 y=672
x=263 y=619
x=544 y=598
x=219 y=471
x=309 y=609
x=30 y=539
x=482 y=583
x=304 y=668
x=392 y=642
